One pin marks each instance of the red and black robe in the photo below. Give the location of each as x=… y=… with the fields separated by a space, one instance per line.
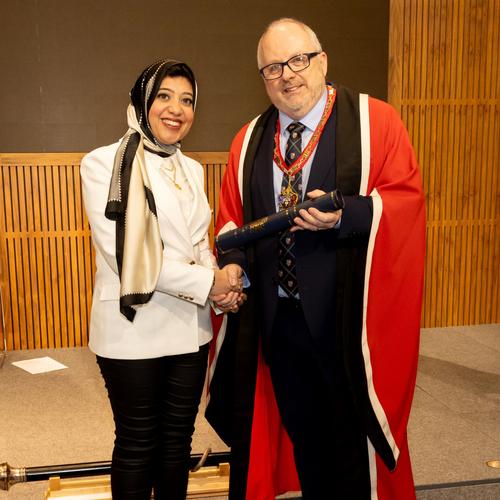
x=377 y=317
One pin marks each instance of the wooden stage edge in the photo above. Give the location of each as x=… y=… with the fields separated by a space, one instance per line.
x=207 y=482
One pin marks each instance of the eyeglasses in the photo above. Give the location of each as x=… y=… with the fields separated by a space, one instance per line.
x=296 y=63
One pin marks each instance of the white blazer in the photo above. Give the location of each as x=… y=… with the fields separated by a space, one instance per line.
x=177 y=318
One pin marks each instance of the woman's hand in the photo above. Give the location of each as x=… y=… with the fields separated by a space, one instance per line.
x=230 y=302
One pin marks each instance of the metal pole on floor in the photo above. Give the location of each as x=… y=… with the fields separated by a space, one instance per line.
x=9 y=476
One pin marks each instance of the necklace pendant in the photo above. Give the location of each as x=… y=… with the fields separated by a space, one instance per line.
x=170 y=173
x=288 y=197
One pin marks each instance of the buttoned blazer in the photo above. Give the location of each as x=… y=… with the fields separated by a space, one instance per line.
x=177 y=318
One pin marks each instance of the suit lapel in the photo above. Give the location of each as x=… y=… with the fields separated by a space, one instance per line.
x=199 y=207
x=167 y=205
x=322 y=175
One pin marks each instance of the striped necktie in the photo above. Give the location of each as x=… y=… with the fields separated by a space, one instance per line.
x=287 y=277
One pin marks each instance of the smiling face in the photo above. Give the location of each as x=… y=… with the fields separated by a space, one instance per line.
x=293 y=93
x=171 y=114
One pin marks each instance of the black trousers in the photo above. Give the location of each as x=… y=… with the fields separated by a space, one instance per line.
x=317 y=410
x=154 y=403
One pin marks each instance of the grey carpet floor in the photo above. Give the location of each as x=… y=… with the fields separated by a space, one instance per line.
x=64 y=417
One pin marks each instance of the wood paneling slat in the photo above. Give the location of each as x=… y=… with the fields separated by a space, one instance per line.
x=41 y=302
x=396 y=44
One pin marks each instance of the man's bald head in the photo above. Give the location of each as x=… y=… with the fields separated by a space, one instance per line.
x=279 y=24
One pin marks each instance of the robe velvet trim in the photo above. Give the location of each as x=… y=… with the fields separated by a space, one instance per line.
x=378 y=317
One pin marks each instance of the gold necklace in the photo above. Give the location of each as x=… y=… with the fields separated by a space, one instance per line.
x=171 y=173
x=288 y=196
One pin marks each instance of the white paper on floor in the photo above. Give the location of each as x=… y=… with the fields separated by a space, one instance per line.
x=39 y=365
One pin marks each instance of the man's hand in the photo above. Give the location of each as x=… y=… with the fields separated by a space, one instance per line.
x=227 y=279
x=315 y=220
x=234 y=274
x=227 y=290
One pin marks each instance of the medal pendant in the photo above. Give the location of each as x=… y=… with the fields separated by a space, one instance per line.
x=288 y=197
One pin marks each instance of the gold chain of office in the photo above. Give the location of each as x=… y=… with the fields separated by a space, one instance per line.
x=299 y=163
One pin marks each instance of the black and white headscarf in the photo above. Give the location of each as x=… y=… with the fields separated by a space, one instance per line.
x=131 y=204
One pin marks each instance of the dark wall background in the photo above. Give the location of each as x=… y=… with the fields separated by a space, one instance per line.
x=67 y=65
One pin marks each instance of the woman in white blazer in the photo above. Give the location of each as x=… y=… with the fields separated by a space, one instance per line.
x=150 y=320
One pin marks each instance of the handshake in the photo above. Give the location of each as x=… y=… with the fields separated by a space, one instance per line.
x=227 y=290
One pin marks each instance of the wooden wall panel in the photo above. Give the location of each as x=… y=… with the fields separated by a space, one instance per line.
x=444 y=80
x=46 y=256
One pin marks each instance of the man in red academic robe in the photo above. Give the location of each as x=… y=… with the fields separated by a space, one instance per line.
x=312 y=380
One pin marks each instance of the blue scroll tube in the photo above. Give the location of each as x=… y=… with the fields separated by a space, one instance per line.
x=241 y=236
